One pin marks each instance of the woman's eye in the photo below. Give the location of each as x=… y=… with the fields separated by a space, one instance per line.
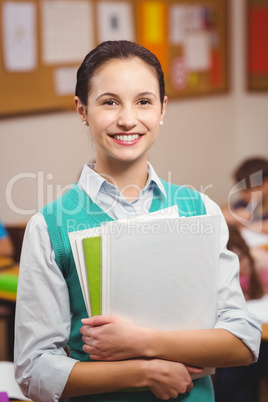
x=144 y=102
x=109 y=102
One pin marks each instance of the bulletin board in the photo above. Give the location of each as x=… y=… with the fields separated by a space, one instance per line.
x=257 y=45
x=44 y=41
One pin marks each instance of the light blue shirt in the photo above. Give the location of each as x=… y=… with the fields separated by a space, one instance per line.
x=43 y=316
x=109 y=198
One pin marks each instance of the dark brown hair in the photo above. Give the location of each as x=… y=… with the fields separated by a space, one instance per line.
x=248 y=168
x=110 y=50
x=238 y=245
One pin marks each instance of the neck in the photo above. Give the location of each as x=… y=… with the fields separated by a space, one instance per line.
x=129 y=178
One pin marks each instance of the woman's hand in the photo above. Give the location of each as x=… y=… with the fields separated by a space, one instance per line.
x=112 y=338
x=167 y=379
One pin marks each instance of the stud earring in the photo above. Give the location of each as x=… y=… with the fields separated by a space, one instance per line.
x=84 y=122
x=161 y=123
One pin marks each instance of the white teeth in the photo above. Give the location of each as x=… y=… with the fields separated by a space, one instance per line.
x=126 y=138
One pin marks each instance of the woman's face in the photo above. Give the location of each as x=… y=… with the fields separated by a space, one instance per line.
x=124 y=110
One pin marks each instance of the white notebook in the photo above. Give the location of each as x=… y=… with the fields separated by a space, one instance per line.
x=162 y=273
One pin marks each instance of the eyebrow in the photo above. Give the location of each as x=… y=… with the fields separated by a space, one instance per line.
x=147 y=93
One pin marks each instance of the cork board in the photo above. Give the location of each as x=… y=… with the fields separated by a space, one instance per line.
x=43 y=42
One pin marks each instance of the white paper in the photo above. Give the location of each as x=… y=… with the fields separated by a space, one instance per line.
x=197 y=51
x=175 y=257
x=65 y=80
x=183 y=20
x=176 y=24
x=193 y=17
x=67 y=30
x=254 y=238
x=115 y=21
x=163 y=273
x=8 y=383
x=19 y=36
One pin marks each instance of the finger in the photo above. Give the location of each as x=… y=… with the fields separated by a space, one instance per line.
x=87 y=339
x=190 y=387
x=86 y=330
x=95 y=357
x=194 y=370
x=88 y=349
x=97 y=320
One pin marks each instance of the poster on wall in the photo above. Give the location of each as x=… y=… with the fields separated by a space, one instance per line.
x=67 y=30
x=19 y=36
x=44 y=41
x=197 y=45
x=115 y=21
x=257 y=45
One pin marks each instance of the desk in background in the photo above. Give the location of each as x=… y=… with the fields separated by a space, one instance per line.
x=264 y=336
x=259 y=307
x=8 y=282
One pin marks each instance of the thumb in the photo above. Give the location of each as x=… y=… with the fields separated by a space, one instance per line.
x=97 y=320
x=194 y=370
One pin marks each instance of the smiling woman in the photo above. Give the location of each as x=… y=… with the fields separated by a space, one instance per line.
x=120 y=95
x=124 y=124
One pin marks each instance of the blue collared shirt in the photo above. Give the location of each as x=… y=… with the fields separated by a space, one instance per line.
x=109 y=198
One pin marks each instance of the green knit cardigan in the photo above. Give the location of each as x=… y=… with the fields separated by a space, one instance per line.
x=74 y=211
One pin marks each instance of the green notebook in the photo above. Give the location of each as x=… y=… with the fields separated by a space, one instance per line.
x=92 y=252
x=9 y=283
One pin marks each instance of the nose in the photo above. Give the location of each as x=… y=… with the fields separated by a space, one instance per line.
x=127 y=117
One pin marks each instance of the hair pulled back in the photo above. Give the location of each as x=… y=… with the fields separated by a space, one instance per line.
x=110 y=50
x=249 y=167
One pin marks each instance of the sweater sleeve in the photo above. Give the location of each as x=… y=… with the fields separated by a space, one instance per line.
x=41 y=364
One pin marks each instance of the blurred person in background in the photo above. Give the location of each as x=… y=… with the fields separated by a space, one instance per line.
x=6 y=246
x=242 y=384
x=251 y=207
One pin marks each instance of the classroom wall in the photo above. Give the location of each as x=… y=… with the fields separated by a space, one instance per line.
x=200 y=143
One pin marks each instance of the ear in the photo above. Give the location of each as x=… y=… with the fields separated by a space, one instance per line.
x=80 y=108
x=164 y=105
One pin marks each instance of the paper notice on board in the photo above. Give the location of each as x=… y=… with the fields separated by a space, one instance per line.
x=197 y=51
x=176 y=24
x=115 y=21
x=194 y=17
x=67 y=30
x=19 y=36
x=183 y=20
x=65 y=80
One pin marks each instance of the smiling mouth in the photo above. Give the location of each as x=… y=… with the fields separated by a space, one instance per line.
x=126 y=138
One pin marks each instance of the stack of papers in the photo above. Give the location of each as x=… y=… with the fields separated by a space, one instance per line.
x=149 y=270
x=160 y=271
